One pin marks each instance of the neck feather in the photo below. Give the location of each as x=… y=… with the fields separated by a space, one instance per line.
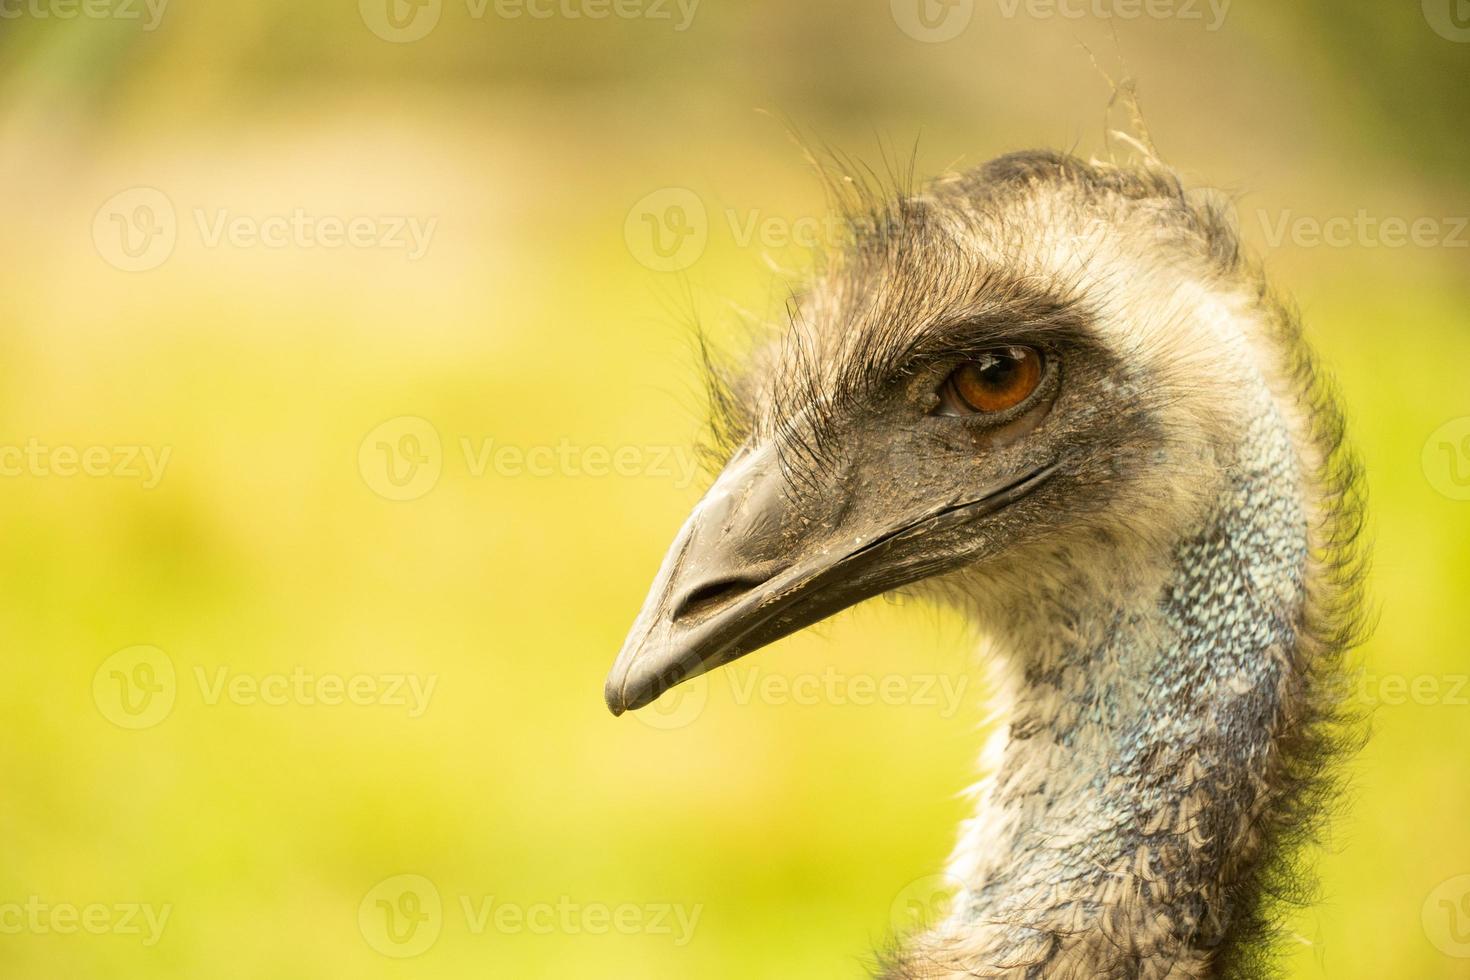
x=1121 y=832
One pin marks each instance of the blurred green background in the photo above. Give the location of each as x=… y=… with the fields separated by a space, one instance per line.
x=395 y=299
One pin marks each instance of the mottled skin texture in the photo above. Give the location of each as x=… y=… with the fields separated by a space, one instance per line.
x=1134 y=756
x=1169 y=606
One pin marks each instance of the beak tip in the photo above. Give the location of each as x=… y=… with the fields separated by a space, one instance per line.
x=613 y=696
x=629 y=688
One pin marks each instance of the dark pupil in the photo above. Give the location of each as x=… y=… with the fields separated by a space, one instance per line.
x=1000 y=372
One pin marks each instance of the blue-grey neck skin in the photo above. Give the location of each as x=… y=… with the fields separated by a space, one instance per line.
x=1136 y=757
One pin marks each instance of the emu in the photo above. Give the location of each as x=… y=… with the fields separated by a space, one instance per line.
x=1057 y=395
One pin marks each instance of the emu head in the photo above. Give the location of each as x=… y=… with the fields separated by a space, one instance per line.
x=1031 y=369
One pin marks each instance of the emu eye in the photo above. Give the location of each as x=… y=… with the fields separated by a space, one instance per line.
x=995 y=381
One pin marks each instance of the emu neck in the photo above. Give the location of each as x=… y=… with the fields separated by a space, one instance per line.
x=1117 y=837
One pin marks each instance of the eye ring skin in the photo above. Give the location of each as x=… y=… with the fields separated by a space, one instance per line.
x=982 y=432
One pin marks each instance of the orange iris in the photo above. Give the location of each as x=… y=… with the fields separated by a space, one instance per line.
x=999 y=380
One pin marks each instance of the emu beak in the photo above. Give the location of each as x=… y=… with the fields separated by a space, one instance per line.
x=751 y=565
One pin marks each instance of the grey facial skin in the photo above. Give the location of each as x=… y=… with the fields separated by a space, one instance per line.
x=766 y=552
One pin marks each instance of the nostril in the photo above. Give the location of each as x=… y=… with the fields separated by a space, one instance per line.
x=713 y=595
